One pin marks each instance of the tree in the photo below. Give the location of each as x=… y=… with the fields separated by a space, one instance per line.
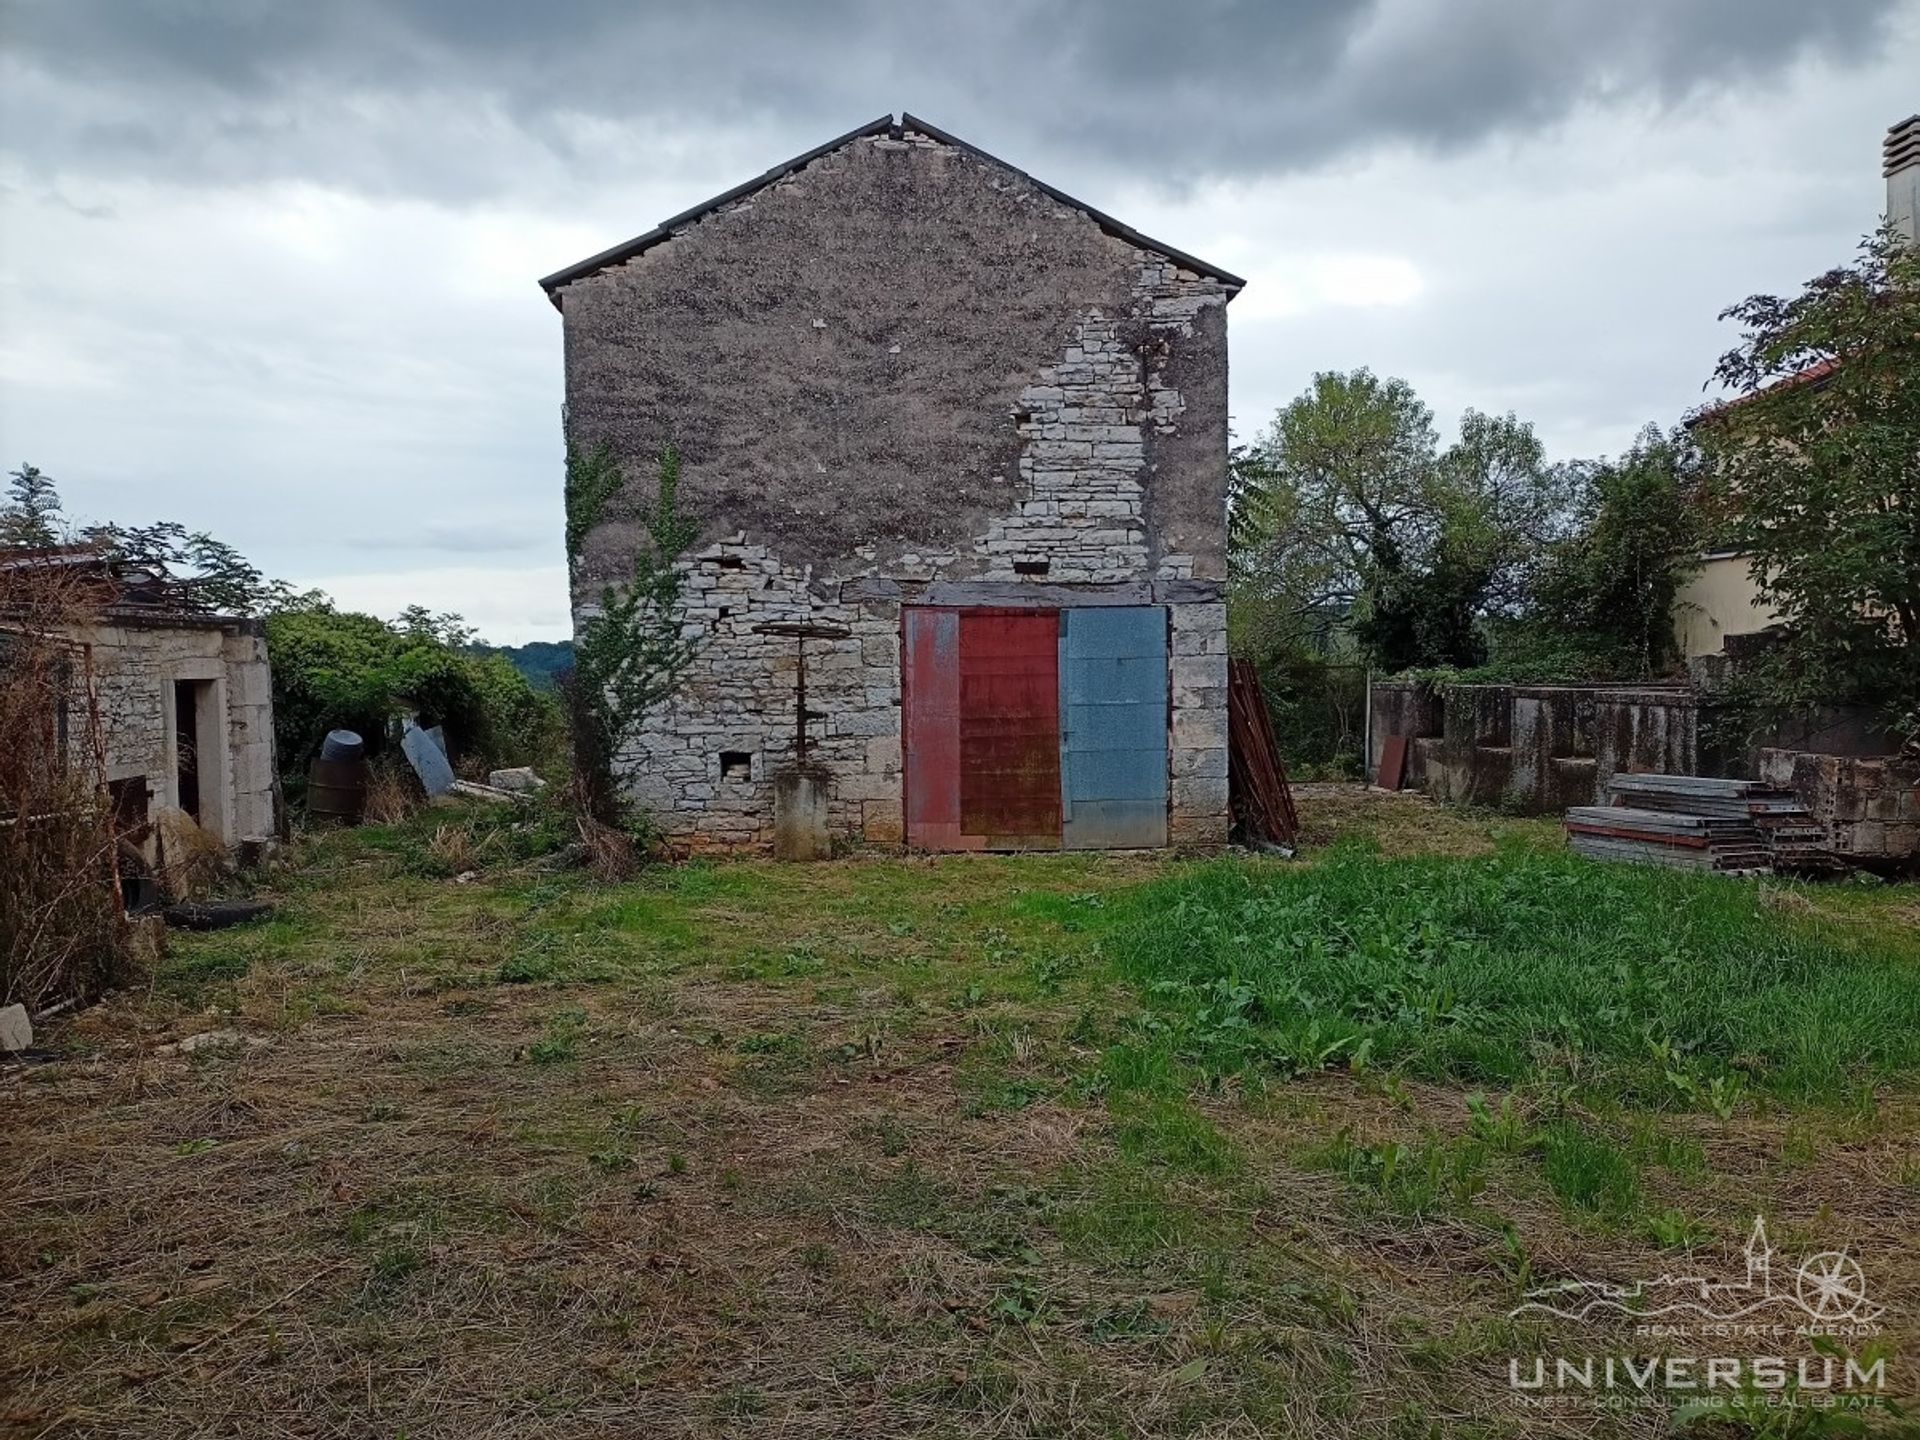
x=446 y=627
x=30 y=518
x=1815 y=474
x=1605 y=594
x=194 y=570
x=631 y=651
x=1347 y=514
x=200 y=572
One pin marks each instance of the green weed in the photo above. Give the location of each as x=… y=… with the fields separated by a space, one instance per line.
x=1651 y=985
x=561 y=1042
x=1588 y=1172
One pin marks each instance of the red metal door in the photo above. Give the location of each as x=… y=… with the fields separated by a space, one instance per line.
x=930 y=728
x=981 y=728
x=1010 y=727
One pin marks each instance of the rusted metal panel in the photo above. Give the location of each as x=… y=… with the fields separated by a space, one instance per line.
x=1010 y=728
x=1114 y=723
x=1257 y=777
x=930 y=727
x=1393 y=762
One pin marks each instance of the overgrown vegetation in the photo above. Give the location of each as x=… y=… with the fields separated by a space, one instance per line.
x=1356 y=540
x=1350 y=521
x=331 y=668
x=1357 y=543
x=1524 y=968
x=1816 y=477
x=340 y=670
x=632 y=648
x=62 y=936
x=1604 y=595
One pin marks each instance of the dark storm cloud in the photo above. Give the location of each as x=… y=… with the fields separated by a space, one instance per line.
x=475 y=99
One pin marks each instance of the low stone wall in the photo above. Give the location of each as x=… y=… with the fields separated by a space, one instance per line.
x=1532 y=749
x=1871 y=807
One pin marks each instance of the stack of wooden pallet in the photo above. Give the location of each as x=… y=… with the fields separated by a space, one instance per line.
x=1698 y=822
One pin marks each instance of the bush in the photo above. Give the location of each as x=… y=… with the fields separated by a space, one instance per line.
x=334 y=670
x=1318 y=711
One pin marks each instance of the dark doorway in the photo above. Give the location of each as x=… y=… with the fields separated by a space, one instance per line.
x=186 y=744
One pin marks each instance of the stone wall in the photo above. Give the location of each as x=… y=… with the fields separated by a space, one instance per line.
x=1871 y=808
x=902 y=374
x=704 y=761
x=136 y=661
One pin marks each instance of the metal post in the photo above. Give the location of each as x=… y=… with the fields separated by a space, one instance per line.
x=1366 y=730
x=800 y=699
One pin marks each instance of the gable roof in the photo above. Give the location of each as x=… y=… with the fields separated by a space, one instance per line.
x=885 y=125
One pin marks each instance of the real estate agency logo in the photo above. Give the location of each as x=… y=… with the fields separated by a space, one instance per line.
x=1702 y=1323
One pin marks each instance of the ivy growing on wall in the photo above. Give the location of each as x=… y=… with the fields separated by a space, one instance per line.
x=632 y=651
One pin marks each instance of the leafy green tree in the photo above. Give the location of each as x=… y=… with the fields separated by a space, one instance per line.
x=201 y=572
x=197 y=571
x=631 y=650
x=31 y=517
x=445 y=626
x=1816 y=475
x=1605 y=594
x=1347 y=514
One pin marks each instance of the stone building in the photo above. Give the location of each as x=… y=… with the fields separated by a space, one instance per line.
x=186 y=708
x=184 y=700
x=928 y=400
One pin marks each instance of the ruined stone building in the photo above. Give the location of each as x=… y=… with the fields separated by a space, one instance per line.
x=181 y=700
x=924 y=397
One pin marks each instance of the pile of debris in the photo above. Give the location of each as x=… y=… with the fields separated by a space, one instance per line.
x=1699 y=822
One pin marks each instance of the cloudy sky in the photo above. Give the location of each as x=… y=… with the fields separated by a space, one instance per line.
x=267 y=266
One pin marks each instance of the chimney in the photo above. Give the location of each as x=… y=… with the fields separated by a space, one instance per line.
x=1900 y=163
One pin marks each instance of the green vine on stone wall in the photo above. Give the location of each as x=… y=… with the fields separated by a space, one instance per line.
x=593 y=478
x=632 y=653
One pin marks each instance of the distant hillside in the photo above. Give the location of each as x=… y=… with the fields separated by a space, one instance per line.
x=538 y=660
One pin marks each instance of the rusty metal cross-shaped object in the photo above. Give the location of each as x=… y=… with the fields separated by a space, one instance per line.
x=802 y=631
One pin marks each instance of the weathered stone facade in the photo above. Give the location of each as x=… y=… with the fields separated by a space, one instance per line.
x=901 y=373
x=137 y=660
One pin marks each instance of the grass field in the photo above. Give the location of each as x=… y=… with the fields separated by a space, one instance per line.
x=1021 y=1146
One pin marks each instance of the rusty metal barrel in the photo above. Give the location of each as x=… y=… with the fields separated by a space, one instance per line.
x=337 y=791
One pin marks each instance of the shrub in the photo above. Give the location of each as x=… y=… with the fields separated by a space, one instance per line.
x=333 y=669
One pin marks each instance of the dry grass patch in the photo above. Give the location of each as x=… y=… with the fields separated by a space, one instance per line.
x=864 y=1148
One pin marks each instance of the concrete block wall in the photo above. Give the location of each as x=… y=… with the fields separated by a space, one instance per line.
x=1871 y=807
x=1534 y=749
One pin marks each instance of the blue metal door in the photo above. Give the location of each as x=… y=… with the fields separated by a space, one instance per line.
x=1113 y=727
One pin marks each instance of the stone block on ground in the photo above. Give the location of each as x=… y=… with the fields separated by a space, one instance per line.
x=16 y=1030
x=519 y=779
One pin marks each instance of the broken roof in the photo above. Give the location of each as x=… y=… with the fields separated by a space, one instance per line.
x=885 y=125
